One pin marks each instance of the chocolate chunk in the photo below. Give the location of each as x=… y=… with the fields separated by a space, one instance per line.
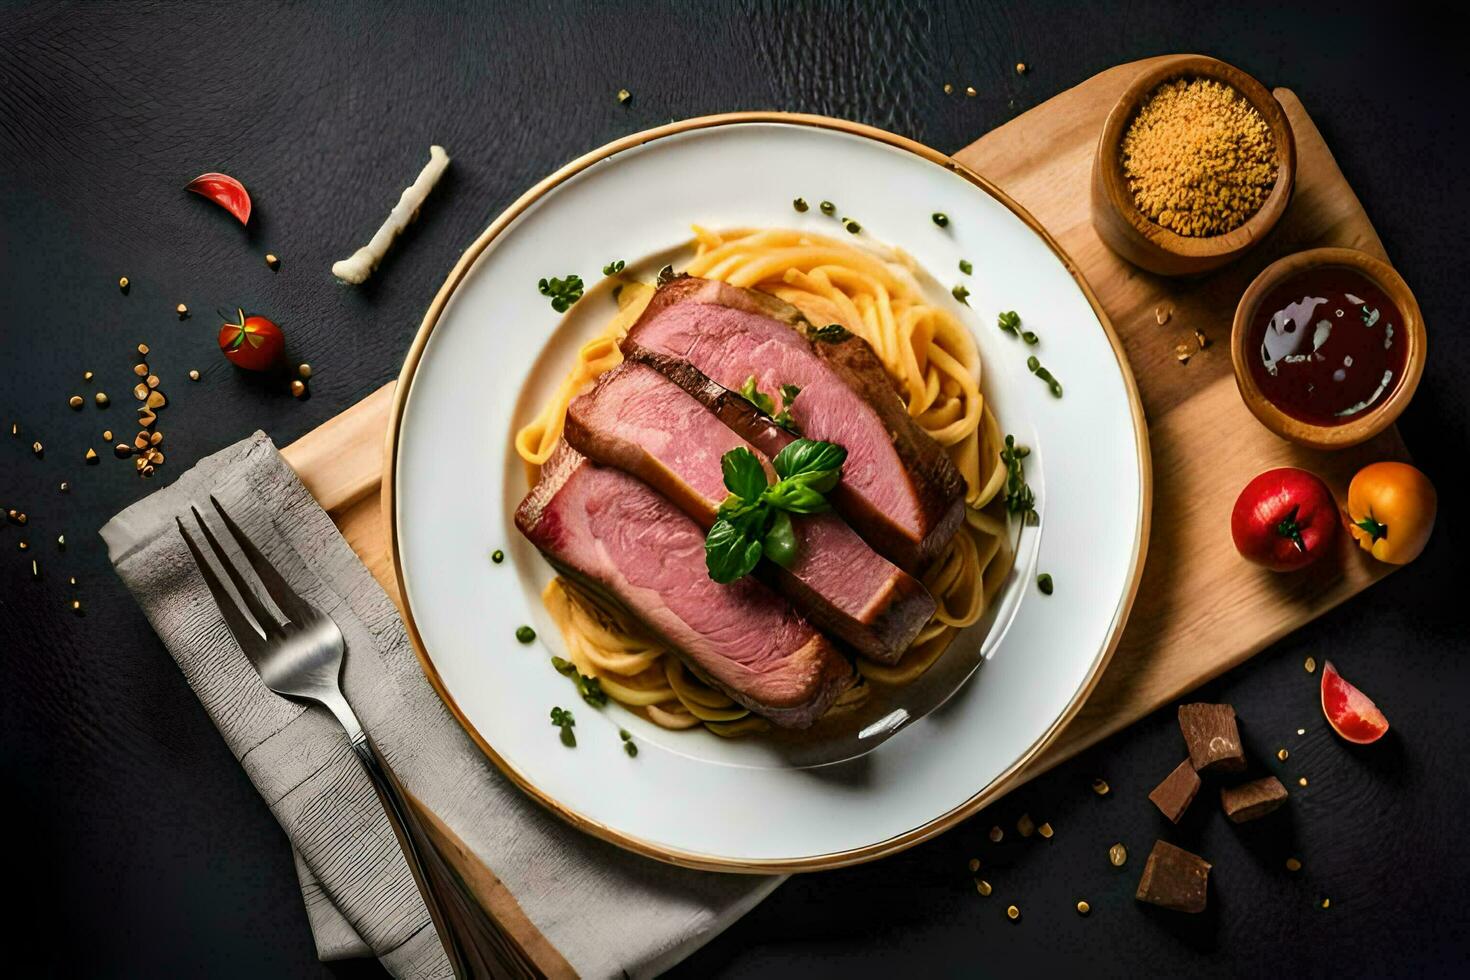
x=1174 y=879
x=1213 y=740
x=1253 y=799
x=1176 y=792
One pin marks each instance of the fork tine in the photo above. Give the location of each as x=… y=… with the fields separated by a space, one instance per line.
x=245 y=632
x=297 y=609
x=263 y=616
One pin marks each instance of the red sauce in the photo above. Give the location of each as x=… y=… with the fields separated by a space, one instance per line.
x=1327 y=345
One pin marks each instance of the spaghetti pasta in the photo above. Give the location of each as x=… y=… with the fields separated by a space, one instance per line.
x=934 y=365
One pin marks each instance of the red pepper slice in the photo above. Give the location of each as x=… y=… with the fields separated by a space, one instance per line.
x=225 y=191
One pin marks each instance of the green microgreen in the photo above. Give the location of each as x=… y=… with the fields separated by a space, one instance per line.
x=563 y=292
x=562 y=718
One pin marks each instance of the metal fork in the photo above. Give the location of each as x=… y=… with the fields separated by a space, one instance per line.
x=300 y=657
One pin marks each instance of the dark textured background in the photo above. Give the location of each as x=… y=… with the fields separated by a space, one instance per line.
x=138 y=847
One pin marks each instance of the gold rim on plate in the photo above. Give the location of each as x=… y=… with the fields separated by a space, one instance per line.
x=706 y=862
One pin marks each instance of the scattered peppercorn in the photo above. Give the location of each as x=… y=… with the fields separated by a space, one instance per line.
x=525 y=634
x=941 y=219
x=800 y=205
x=1044 y=583
x=828 y=208
x=497 y=556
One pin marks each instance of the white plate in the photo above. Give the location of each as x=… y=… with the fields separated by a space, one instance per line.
x=490 y=349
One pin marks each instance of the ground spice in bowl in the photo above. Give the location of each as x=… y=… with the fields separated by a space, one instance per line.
x=1198 y=158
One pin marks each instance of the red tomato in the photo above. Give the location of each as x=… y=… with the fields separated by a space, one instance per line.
x=225 y=191
x=253 y=343
x=1284 y=519
x=1350 y=712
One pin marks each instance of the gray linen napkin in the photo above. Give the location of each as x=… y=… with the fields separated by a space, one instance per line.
x=605 y=910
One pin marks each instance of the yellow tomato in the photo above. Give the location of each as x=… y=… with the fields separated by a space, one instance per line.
x=1391 y=511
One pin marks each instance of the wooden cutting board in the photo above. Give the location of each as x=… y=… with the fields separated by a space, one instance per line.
x=1200 y=609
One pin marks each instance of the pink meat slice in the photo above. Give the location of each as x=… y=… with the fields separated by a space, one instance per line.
x=616 y=536
x=899 y=490
x=638 y=420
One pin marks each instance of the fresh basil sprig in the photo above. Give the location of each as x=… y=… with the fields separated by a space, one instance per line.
x=755 y=520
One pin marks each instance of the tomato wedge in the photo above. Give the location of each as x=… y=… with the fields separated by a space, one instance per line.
x=1350 y=712
x=225 y=191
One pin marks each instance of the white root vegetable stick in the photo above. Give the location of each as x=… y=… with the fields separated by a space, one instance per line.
x=356 y=269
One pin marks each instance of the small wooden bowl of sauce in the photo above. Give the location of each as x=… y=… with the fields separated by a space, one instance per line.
x=1328 y=347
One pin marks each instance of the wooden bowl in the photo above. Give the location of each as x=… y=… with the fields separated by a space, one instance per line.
x=1375 y=420
x=1129 y=232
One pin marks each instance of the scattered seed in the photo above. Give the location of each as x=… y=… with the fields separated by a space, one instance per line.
x=974 y=865
x=91 y=456
x=1162 y=314
x=497 y=556
x=107 y=435
x=1182 y=353
x=140 y=464
x=1201 y=339
x=141 y=370
x=72 y=581
x=1044 y=583
x=65 y=486
x=76 y=606
x=1117 y=854
x=631 y=749
x=852 y=226
x=35 y=568
x=525 y=634
x=982 y=886
x=122 y=450
x=155 y=438
x=101 y=399
x=1292 y=864
x=1083 y=908
x=182 y=311
x=143 y=349
x=1100 y=787
x=1310 y=665
x=1021 y=68
x=193 y=375
x=940 y=218
x=156 y=399
x=15 y=428
x=970 y=91
x=140 y=390
x=1025 y=826
x=147 y=470
x=61 y=541
x=272 y=261
x=146 y=416
x=1045 y=831
x=624 y=96
x=86 y=375
x=23 y=545
x=123 y=284
x=996 y=835
x=1302 y=781
x=1282 y=754
x=1013 y=913
x=153 y=381
x=1326 y=903
x=298 y=388
x=37 y=448
x=828 y=208
x=304 y=370
x=1301 y=731
x=76 y=402
x=800 y=205
x=948 y=89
